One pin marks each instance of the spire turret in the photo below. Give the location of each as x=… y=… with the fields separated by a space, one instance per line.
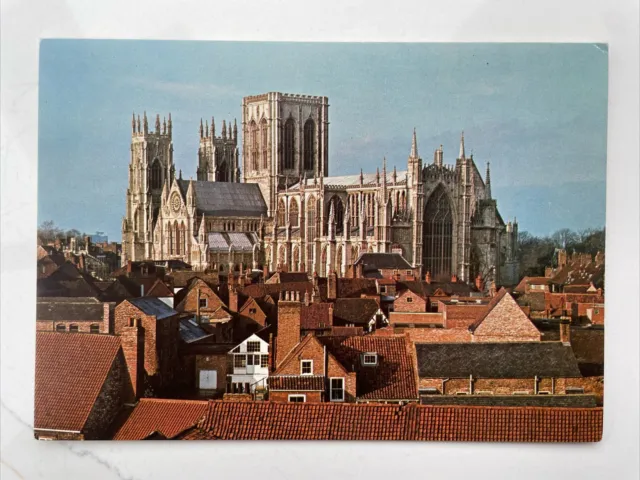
x=138 y=129
x=201 y=130
x=206 y=128
x=414 y=145
x=169 y=125
x=487 y=181
x=224 y=129
x=213 y=128
x=157 y=124
x=461 y=155
x=133 y=124
x=235 y=131
x=145 y=124
x=438 y=156
x=164 y=125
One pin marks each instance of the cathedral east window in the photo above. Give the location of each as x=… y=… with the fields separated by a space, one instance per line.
x=438 y=235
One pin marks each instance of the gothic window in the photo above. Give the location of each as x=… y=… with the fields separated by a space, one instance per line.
x=176 y=237
x=296 y=259
x=253 y=148
x=293 y=212
x=170 y=235
x=438 y=235
x=264 y=143
x=311 y=228
x=309 y=134
x=338 y=210
x=282 y=254
x=282 y=212
x=223 y=173
x=289 y=144
x=183 y=238
x=338 y=267
x=156 y=175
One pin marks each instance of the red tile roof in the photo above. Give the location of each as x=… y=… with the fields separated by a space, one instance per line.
x=393 y=378
x=296 y=382
x=327 y=421
x=316 y=316
x=167 y=418
x=521 y=287
x=420 y=318
x=70 y=371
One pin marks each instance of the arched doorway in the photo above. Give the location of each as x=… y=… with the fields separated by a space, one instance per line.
x=437 y=242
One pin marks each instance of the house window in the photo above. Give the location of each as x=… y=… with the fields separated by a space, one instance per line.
x=73 y=328
x=574 y=390
x=61 y=328
x=94 y=328
x=383 y=289
x=337 y=390
x=409 y=272
x=306 y=367
x=297 y=398
x=409 y=299
x=370 y=359
x=252 y=311
x=202 y=302
x=264 y=361
x=253 y=346
x=240 y=361
x=250 y=360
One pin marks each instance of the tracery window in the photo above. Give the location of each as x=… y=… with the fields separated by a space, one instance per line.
x=309 y=135
x=293 y=213
x=289 y=144
x=438 y=235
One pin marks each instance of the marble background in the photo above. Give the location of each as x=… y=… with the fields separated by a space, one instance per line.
x=24 y=22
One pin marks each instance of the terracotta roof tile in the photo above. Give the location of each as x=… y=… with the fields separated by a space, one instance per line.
x=70 y=371
x=296 y=382
x=393 y=378
x=327 y=421
x=159 y=416
x=355 y=310
x=316 y=316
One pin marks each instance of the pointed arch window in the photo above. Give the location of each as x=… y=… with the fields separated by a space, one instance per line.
x=183 y=238
x=223 y=173
x=176 y=237
x=289 y=144
x=438 y=235
x=282 y=213
x=294 y=212
x=253 y=147
x=338 y=209
x=309 y=136
x=311 y=230
x=264 y=143
x=170 y=236
x=156 y=175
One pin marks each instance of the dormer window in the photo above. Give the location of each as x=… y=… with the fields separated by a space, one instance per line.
x=370 y=358
x=306 y=367
x=409 y=299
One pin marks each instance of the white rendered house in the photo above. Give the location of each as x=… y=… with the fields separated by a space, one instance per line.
x=250 y=366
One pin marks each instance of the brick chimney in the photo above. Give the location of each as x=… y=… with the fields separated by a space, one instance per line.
x=288 y=336
x=332 y=285
x=479 y=283
x=233 y=299
x=132 y=341
x=427 y=277
x=106 y=317
x=454 y=278
x=129 y=266
x=565 y=331
x=359 y=273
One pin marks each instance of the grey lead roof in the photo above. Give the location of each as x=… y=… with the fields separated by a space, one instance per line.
x=496 y=360
x=368 y=179
x=382 y=260
x=153 y=306
x=238 y=241
x=227 y=198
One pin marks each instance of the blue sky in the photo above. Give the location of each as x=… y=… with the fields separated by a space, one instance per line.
x=537 y=112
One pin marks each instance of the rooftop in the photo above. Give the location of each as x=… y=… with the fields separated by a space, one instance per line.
x=153 y=306
x=227 y=198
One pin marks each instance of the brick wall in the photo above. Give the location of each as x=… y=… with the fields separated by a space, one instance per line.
x=132 y=341
x=218 y=362
x=283 y=396
x=503 y=386
x=460 y=316
x=253 y=311
x=83 y=326
x=190 y=302
x=116 y=390
x=288 y=328
x=408 y=301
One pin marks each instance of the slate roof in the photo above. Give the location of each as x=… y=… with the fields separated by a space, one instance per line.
x=167 y=418
x=379 y=261
x=237 y=241
x=496 y=360
x=191 y=332
x=227 y=198
x=153 y=306
x=284 y=277
x=69 y=308
x=393 y=378
x=331 y=421
x=296 y=383
x=358 y=311
x=71 y=369
x=535 y=300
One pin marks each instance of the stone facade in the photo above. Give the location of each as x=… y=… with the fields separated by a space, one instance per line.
x=441 y=218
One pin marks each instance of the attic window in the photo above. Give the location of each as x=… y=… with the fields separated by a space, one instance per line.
x=409 y=272
x=73 y=328
x=61 y=327
x=253 y=346
x=94 y=328
x=429 y=391
x=252 y=311
x=409 y=299
x=370 y=359
x=306 y=367
x=202 y=302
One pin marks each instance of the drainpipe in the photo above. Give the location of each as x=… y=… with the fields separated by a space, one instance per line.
x=553 y=385
x=444 y=380
x=198 y=305
x=324 y=358
x=470 y=384
x=535 y=385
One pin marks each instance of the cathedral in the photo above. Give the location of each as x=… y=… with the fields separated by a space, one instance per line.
x=282 y=210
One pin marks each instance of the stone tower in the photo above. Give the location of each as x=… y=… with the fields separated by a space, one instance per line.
x=218 y=156
x=151 y=165
x=285 y=137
